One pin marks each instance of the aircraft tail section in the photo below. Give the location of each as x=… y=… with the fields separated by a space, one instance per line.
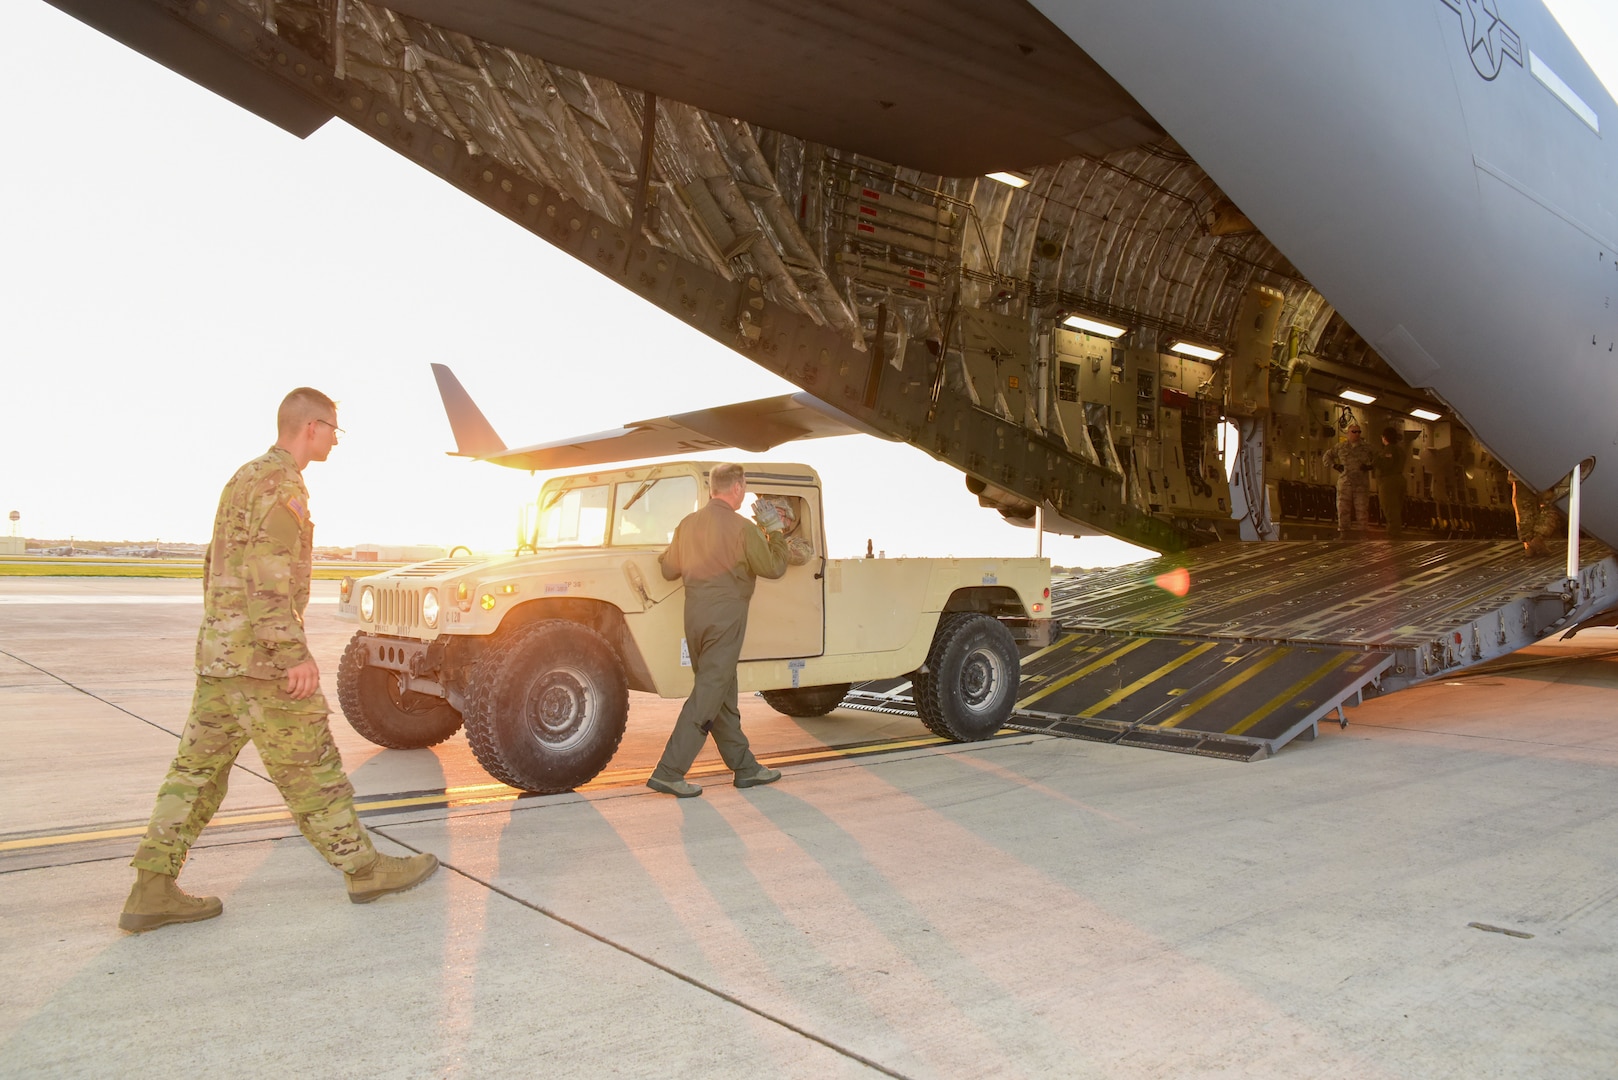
x=474 y=435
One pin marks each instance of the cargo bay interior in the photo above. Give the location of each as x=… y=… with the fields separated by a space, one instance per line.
x=1101 y=334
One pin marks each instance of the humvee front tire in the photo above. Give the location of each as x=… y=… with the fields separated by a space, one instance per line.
x=970 y=683
x=377 y=709
x=546 y=706
x=806 y=700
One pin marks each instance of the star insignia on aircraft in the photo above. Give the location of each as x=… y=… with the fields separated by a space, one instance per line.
x=1490 y=42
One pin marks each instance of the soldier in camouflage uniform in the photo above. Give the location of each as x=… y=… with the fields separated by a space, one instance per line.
x=1352 y=459
x=719 y=553
x=1537 y=520
x=800 y=549
x=256 y=680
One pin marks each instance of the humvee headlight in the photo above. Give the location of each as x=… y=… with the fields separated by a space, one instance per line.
x=463 y=596
x=345 y=591
x=429 y=608
x=367 y=604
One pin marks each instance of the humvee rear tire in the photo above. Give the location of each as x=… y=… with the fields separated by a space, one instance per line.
x=806 y=700
x=970 y=683
x=546 y=706
x=377 y=709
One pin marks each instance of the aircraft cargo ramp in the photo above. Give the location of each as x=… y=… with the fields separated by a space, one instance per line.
x=1233 y=650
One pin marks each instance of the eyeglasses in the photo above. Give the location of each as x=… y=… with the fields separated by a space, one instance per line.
x=339 y=432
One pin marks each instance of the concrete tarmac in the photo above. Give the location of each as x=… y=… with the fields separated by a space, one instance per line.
x=1430 y=892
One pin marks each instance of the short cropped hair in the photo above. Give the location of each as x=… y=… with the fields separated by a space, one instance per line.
x=1390 y=435
x=724 y=477
x=301 y=406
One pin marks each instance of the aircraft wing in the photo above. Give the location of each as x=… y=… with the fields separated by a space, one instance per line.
x=754 y=426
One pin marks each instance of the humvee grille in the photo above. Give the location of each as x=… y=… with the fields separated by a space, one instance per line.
x=398 y=608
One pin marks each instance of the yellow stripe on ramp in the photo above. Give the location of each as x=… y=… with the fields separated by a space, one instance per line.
x=1094 y=711
x=1094 y=665
x=1291 y=692
x=1226 y=687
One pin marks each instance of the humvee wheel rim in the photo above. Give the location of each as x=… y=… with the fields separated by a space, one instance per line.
x=561 y=708
x=982 y=674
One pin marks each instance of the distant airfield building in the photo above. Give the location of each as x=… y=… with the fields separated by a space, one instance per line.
x=396 y=553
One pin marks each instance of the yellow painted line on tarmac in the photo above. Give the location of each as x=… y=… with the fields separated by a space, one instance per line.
x=119 y=834
x=830 y=753
x=478 y=794
x=460 y=796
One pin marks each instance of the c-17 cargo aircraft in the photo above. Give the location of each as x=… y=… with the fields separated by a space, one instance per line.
x=1069 y=247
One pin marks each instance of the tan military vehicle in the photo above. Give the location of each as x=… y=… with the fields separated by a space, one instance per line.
x=537 y=651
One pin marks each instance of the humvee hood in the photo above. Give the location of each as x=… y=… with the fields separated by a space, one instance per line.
x=570 y=559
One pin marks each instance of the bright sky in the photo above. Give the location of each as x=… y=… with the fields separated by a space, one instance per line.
x=173 y=265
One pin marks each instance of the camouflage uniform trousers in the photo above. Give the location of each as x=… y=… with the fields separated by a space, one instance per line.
x=1353 y=503
x=1537 y=518
x=293 y=739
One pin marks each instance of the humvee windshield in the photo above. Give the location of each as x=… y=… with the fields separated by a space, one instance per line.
x=645 y=513
x=575 y=517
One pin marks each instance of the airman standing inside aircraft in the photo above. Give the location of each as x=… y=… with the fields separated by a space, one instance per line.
x=256 y=680
x=1536 y=517
x=1353 y=461
x=1390 y=480
x=720 y=554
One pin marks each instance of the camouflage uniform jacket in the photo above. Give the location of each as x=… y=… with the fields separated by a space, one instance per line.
x=255 y=578
x=1355 y=459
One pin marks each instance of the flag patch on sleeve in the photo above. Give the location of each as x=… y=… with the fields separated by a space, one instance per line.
x=299 y=511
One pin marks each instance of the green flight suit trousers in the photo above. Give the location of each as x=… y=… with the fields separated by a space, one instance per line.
x=1390 y=494
x=715 y=648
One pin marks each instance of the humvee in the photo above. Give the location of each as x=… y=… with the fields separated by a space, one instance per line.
x=536 y=652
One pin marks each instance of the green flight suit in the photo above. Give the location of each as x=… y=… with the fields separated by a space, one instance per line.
x=719 y=553
x=255 y=586
x=1389 y=464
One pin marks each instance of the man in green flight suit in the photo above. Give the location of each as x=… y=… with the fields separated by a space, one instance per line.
x=719 y=553
x=256 y=680
x=1389 y=466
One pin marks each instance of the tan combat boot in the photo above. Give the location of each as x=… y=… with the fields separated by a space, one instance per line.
x=157 y=901
x=390 y=874
x=681 y=789
x=759 y=775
